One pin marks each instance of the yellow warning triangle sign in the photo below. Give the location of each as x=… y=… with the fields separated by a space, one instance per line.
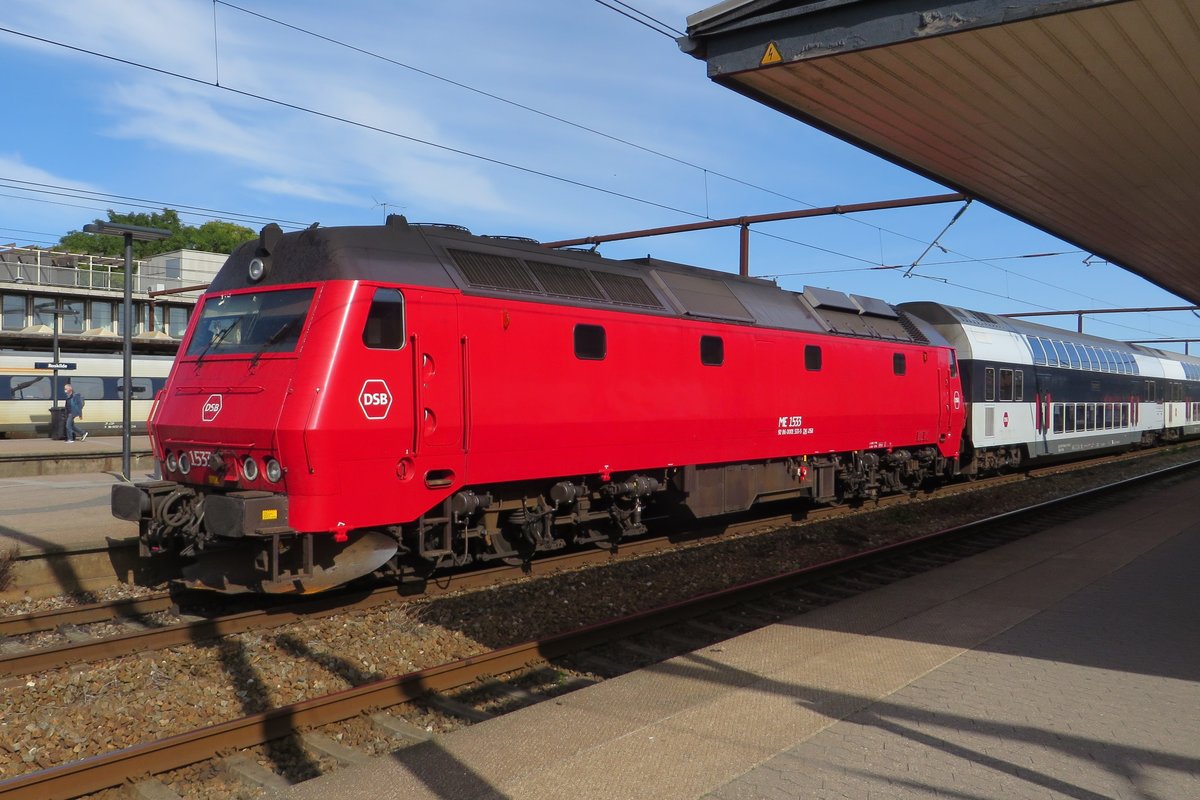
x=772 y=56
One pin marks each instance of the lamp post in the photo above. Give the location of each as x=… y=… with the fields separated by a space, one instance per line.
x=130 y=232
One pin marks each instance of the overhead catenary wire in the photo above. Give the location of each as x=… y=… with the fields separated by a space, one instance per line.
x=68 y=191
x=657 y=26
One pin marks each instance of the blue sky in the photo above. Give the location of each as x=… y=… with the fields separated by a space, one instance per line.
x=544 y=119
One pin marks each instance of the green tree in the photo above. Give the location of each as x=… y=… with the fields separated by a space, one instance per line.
x=214 y=236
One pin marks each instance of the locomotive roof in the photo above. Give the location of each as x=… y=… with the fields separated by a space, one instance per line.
x=447 y=256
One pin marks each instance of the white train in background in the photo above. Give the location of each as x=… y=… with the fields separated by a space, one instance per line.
x=1036 y=393
x=27 y=392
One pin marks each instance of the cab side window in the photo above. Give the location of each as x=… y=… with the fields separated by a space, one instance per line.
x=712 y=351
x=812 y=358
x=591 y=342
x=384 y=329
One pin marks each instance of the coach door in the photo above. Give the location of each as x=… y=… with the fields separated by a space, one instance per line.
x=439 y=355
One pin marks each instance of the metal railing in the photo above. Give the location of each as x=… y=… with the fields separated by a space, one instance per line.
x=28 y=266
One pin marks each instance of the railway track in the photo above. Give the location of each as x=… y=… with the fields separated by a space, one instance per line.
x=474 y=689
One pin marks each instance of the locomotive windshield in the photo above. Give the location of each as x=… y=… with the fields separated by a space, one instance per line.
x=251 y=323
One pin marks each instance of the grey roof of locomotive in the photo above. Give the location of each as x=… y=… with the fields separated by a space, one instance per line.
x=447 y=256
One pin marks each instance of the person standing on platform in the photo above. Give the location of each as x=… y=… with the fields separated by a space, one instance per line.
x=74 y=411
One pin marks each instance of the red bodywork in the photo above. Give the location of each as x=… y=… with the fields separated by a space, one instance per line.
x=489 y=390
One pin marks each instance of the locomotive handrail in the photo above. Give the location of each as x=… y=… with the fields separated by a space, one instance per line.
x=466 y=396
x=418 y=407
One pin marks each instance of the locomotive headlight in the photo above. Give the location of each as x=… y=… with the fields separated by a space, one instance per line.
x=185 y=464
x=250 y=469
x=274 y=471
x=172 y=462
x=256 y=269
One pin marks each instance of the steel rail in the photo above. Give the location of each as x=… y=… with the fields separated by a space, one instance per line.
x=105 y=611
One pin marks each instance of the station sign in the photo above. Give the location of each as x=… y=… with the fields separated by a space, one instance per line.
x=54 y=365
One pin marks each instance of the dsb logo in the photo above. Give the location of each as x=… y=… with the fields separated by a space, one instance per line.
x=212 y=407
x=375 y=399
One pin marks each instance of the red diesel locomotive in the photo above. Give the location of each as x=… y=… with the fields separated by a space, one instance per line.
x=412 y=397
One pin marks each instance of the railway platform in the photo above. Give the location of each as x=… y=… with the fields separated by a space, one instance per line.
x=54 y=499
x=1065 y=665
x=39 y=457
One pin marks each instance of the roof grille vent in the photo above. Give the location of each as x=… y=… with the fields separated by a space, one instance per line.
x=489 y=271
x=627 y=290
x=566 y=281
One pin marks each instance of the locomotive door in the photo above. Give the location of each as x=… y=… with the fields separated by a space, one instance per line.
x=439 y=368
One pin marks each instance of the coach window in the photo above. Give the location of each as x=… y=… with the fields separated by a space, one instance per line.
x=1006 y=384
x=1057 y=412
x=1150 y=391
x=14 y=312
x=899 y=367
x=142 y=389
x=28 y=387
x=812 y=358
x=384 y=329
x=1061 y=350
x=1073 y=355
x=1039 y=353
x=591 y=343
x=88 y=388
x=712 y=351
x=989 y=384
x=1051 y=356
x=1018 y=385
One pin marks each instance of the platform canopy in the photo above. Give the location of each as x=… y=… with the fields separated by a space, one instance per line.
x=1080 y=117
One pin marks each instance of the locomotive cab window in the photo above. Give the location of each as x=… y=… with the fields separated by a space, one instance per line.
x=812 y=358
x=591 y=342
x=384 y=328
x=899 y=367
x=953 y=365
x=712 y=351
x=250 y=323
